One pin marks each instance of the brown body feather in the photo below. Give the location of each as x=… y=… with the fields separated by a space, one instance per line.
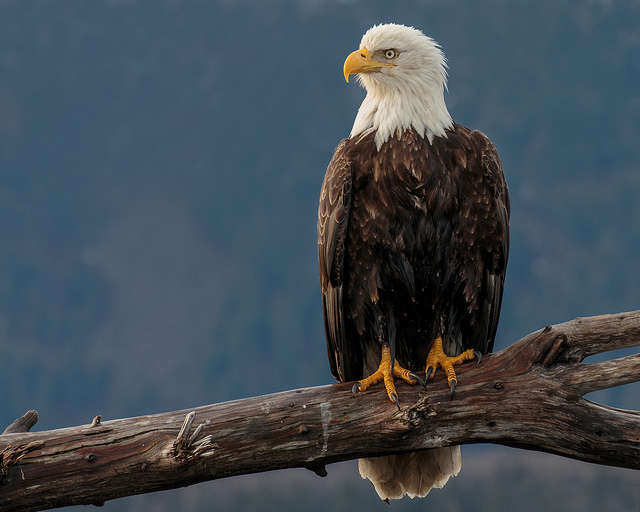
x=413 y=243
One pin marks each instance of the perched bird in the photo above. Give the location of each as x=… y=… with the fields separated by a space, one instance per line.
x=413 y=240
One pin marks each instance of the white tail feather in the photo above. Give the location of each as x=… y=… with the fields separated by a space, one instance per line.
x=413 y=474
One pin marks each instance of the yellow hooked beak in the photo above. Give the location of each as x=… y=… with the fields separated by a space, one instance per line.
x=361 y=62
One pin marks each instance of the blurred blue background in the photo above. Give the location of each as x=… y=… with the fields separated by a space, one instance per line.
x=160 y=166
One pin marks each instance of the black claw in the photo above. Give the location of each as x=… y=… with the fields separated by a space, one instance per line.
x=453 y=388
x=394 y=397
x=429 y=372
x=355 y=389
x=414 y=376
x=478 y=354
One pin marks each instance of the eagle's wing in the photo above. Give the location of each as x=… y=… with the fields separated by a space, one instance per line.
x=496 y=263
x=345 y=355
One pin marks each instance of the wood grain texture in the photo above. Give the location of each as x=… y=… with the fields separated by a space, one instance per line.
x=529 y=395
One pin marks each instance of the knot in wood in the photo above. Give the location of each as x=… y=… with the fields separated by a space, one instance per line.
x=416 y=415
x=558 y=343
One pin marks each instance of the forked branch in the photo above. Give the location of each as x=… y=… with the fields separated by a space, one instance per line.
x=529 y=395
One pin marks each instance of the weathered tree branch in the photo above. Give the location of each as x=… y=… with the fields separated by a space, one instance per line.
x=529 y=395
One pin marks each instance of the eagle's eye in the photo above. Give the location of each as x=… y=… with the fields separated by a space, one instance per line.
x=390 y=54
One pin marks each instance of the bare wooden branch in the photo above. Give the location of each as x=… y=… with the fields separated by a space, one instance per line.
x=529 y=395
x=23 y=424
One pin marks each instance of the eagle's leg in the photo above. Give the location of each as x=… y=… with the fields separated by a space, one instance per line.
x=437 y=357
x=386 y=374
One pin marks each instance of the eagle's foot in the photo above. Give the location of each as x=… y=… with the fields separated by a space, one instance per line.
x=384 y=373
x=437 y=357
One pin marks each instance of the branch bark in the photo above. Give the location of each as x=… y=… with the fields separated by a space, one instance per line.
x=529 y=395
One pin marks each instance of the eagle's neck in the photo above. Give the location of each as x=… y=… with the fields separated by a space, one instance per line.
x=392 y=109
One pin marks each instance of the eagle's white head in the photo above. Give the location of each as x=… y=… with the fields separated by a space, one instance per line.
x=405 y=76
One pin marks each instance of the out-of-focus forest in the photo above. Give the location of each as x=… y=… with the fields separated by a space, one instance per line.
x=160 y=166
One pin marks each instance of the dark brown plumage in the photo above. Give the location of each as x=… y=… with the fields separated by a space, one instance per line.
x=413 y=243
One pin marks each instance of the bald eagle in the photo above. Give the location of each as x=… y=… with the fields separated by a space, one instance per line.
x=413 y=240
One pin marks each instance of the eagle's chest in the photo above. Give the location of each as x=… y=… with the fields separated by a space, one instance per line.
x=403 y=210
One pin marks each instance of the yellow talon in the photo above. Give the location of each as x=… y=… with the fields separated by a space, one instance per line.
x=437 y=357
x=384 y=373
